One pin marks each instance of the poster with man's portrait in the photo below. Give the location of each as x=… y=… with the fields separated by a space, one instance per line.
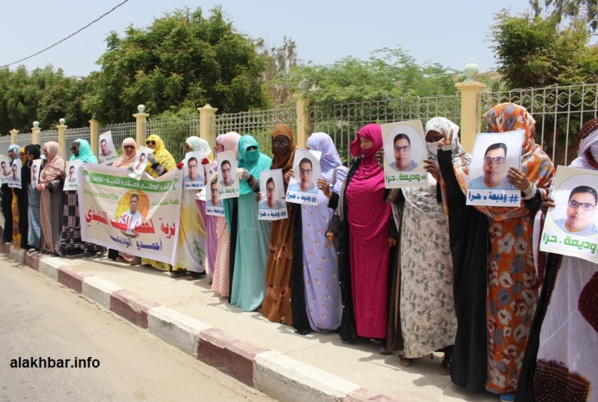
x=209 y=194
x=303 y=186
x=107 y=151
x=228 y=183
x=14 y=179
x=36 y=168
x=404 y=153
x=571 y=226
x=272 y=206
x=493 y=155
x=140 y=162
x=194 y=172
x=71 y=181
x=4 y=169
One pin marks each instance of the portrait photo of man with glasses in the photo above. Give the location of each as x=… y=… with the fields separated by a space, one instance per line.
x=580 y=211
x=402 y=154
x=494 y=166
x=306 y=183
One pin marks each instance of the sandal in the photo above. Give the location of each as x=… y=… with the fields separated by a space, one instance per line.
x=120 y=259
x=445 y=366
x=405 y=361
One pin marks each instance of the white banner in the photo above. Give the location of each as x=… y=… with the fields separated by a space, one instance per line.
x=139 y=217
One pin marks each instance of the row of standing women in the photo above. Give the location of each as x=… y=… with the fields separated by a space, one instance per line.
x=415 y=269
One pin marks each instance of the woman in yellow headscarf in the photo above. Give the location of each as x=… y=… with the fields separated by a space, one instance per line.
x=160 y=162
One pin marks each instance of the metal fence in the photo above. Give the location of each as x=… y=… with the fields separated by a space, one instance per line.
x=559 y=113
x=259 y=124
x=342 y=121
x=173 y=131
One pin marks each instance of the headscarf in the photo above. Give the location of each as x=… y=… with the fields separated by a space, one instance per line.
x=219 y=142
x=588 y=146
x=85 y=154
x=197 y=144
x=125 y=161
x=330 y=158
x=16 y=148
x=444 y=126
x=284 y=162
x=330 y=162
x=162 y=155
x=254 y=161
x=55 y=165
x=368 y=180
x=230 y=142
x=34 y=150
x=535 y=164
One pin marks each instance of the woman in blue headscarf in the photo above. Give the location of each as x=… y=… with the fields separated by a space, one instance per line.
x=7 y=196
x=248 y=285
x=70 y=235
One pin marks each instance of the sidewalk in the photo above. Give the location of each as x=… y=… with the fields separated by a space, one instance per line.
x=261 y=354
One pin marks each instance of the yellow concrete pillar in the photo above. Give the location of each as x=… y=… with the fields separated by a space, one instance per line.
x=140 y=122
x=302 y=121
x=94 y=133
x=13 y=136
x=61 y=138
x=470 y=106
x=207 y=126
x=35 y=132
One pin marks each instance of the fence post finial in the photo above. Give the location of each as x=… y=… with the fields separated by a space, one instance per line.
x=61 y=136
x=140 y=121
x=207 y=126
x=470 y=107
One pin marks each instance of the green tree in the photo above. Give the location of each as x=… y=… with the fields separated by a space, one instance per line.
x=182 y=60
x=573 y=10
x=45 y=95
x=276 y=77
x=387 y=74
x=536 y=52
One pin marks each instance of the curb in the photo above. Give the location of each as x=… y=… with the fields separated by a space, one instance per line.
x=268 y=371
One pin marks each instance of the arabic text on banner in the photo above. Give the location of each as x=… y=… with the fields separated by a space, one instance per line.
x=139 y=217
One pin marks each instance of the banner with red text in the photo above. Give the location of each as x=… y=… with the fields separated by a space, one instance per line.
x=138 y=217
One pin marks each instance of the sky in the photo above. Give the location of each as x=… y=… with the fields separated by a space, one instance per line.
x=432 y=31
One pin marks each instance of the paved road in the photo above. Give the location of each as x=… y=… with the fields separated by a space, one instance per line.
x=40 y=318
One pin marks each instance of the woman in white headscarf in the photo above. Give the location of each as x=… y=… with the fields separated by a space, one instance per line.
x=192 y=233
x=560 y=362
x=422 y=317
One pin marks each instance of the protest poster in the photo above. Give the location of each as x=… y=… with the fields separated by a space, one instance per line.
x=571 y=226
x=209 y=194
x=303 y=186
x=194 y=177
x=14 y=178
x=493 y=155
x=5 y=171
x=404 y=153
x=140 y=162
x=71 y=181
x=272 y=206
x=107 y=152
x=36 y=167
x=228 y=182
x=138 y=217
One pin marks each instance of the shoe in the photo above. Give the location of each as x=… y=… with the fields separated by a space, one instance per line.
x=507 y=397
x=405 y=361
x=195 y=275
x=445 y=366
x=302 y=331
x=177 y=273
x=383 y=349
x=135 y=261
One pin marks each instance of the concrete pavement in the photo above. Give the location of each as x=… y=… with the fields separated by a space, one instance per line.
x=267 y=356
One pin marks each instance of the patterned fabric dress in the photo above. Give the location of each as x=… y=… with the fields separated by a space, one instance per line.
x=221 y=276
x=428 y=321
x=512 y=284
x=320 y=261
